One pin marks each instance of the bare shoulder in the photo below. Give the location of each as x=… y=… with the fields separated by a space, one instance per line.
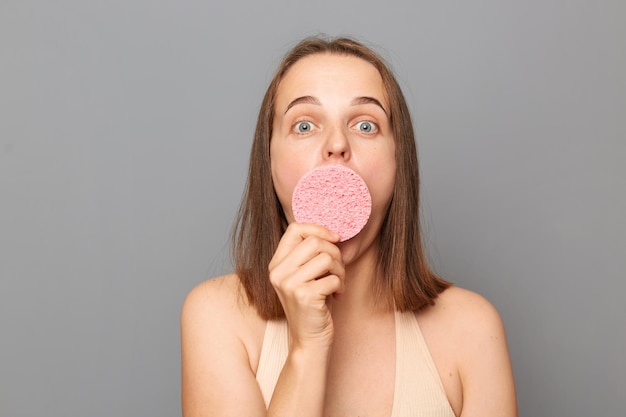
x=214 y=293
x=468 y=323
x=214 y=296
x=221 y=335
x=465 y=311
x=219 y=307
x=468 y=343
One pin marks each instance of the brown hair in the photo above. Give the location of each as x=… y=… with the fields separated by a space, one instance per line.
x=405 y=281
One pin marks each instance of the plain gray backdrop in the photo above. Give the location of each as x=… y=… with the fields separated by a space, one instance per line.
x=125 y=128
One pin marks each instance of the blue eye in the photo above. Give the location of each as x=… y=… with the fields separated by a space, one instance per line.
x=366 y=127
x=304 y=127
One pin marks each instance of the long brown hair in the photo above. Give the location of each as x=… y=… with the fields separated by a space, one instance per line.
x=405 y=281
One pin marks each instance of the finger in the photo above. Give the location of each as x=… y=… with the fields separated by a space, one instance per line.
x=320 y=266
x=323 y=265
x=312 y=246
x=295 y=234
x=294 y=271
x=298 y=266
x=315 y=293
x=328 y=285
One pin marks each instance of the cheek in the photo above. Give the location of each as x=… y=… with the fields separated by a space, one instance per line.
x=384 y=190
x=381 y=187
x=285 y=175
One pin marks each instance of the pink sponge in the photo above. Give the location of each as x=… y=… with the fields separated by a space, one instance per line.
x=333 y=196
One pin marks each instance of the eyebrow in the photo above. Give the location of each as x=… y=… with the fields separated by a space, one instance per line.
x=357 y=101
x=303 y=100
x=368 y=100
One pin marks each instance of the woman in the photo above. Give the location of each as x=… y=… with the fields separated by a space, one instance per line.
x=310 y=326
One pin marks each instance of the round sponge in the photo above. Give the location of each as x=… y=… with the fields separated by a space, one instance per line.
x=333 y=196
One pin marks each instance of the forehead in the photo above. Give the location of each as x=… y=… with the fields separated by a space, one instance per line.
x=326 y=74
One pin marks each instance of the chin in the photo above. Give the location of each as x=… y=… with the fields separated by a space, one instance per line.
x=360 y=246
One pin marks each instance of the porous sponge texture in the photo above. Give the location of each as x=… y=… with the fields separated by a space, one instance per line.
x=333 y=196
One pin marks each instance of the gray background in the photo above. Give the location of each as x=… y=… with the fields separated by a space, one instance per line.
x=124 y=136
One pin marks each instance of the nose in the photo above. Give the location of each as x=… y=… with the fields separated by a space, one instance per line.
x=337 y=145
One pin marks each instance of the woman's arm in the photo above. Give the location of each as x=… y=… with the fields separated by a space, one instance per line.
x=305 y=269
x=484 y=364
x=217 y=379
x=216 y=375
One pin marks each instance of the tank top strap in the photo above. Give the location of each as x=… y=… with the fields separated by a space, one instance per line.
x=273 y=356
x=418 y=387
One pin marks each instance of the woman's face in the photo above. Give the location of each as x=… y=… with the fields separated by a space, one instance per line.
x=332 y=109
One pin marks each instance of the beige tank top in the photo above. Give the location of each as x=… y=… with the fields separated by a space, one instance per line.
x=418 y=388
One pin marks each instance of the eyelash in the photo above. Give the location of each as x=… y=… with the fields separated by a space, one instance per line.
x=374 y=127
x=298 y=122
x=313 y=126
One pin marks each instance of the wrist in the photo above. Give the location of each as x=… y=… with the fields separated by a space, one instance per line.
x=311 y=354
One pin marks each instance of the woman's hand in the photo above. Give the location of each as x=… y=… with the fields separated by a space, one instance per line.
x=305 y=270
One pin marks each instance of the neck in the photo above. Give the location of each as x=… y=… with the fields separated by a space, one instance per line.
x=358 y=299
